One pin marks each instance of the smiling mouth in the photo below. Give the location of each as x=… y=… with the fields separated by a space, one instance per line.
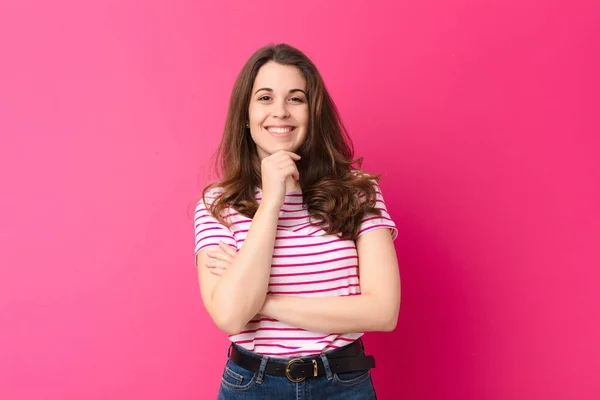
x=280 y=130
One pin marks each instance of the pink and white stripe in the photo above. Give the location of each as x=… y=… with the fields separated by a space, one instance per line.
x=306 y=262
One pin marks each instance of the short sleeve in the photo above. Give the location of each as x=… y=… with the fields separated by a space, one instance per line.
x=208 y=230
x=372 y=221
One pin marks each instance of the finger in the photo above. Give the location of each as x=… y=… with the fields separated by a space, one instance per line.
x=214 y=253
x=293 y=172
x=221 y=255
x=296 y=173
x=217 y=271
x=228 y=249
x=285 y=153
x=217 y=264
x=222 y=249
x=295 y=157
x=285 y=163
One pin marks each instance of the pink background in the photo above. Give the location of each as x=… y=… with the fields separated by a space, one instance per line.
x=483 y=117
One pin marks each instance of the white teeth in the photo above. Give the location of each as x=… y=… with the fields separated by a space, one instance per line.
x=278 y=130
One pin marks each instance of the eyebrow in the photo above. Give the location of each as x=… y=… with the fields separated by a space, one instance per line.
x=291 y=90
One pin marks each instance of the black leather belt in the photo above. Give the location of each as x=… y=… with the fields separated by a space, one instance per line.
x=345 y=359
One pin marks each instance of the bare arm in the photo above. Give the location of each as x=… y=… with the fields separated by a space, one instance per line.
x=235 y=297
x=375 y=309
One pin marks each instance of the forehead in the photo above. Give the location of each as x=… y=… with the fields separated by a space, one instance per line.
x=279 y=77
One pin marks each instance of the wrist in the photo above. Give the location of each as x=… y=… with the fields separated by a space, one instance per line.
x=269 y=207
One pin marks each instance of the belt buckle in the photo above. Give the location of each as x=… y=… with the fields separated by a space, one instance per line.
x=298 y=361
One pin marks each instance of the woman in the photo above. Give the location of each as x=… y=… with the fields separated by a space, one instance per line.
x=282 y=238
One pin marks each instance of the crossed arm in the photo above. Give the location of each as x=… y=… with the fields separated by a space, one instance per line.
x=375 y=309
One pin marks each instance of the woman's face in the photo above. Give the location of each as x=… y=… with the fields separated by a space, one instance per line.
x=278 y=109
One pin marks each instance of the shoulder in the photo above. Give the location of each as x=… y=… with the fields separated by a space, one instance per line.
x=358 y=172
x=211 y=193
x=365 y=181
x=361 y=174
x=207 y=197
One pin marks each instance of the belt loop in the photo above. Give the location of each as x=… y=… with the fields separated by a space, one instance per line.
x=326 y=365
x=261 y=370
x=361 y=343
x=229 y=350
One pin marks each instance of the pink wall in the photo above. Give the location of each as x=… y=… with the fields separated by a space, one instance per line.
x=484 y=118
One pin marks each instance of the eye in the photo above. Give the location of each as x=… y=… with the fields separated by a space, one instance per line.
x=297 y=99
x=263 y=97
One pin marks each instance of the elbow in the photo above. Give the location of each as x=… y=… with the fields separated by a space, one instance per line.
x=230 y=317
x=389 y=319
x=389 y=324
x=228 y=323
x=230 y=330
x=383 y=322
x=229 y=326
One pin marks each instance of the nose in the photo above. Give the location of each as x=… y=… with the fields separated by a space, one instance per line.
x=280 y=109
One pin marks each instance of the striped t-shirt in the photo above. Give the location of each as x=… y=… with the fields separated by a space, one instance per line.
x=306 y=262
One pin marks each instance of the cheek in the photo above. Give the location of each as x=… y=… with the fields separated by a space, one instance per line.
x=255 y=114
x=303 y=117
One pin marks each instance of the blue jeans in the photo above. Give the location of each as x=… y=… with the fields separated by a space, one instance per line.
x=239 y=383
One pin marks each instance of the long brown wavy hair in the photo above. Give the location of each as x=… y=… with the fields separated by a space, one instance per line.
x=333 y=190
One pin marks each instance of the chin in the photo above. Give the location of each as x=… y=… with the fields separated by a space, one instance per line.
x=285 y=148
x=269 y=150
